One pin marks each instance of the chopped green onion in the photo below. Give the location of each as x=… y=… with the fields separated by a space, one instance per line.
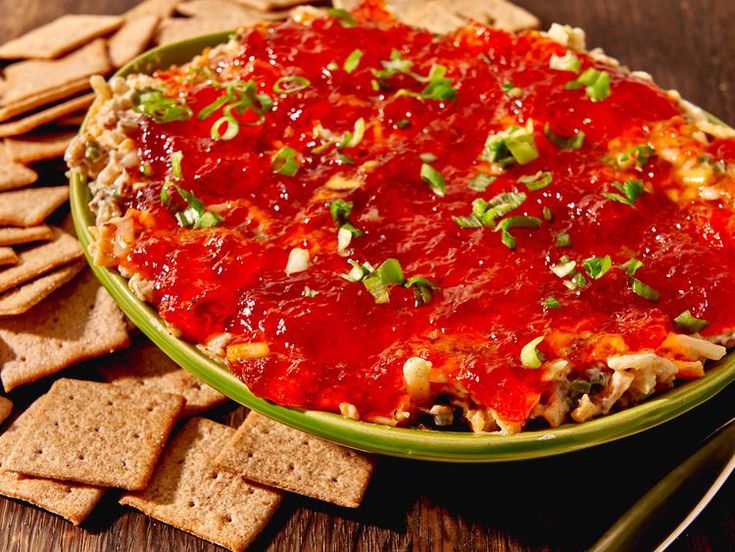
x=195 y=215
x=630 y=267
x=290 y=84
x=352 y=139
x=567 y=62
x=211 y=108
x=341 y=211
x=580 y=387
x=377 y=288
x=689 y=323
x=486 y=213
x=513 y=145
x=597 y=267
x=175 y=161
x=434 y=179
x=536 y=181
x=562 y=142
x=422 y=289
x=346 y=159
x=638 y=155
x=342 y=16
x=376 y=281
x=92 y=151
x=481 y=182
x=576 y=281
x=308 y=292
x=632 y=190
x=390 y=272
x=427 y=157
x=531 y=357
x=512 y=90
x=562 y=239
x=285 y=162
x=469 y=221
x=439 y=89
x=643 y=290
x=519 y=221
x=358 y=271
x=332 y=65
x=145 y=169
x=548 y=215
x=232 y=128
x=551 y=302
x=403 y=124
x=596 y=83
x=154 y=104
x=564 y=267
x=353 y=61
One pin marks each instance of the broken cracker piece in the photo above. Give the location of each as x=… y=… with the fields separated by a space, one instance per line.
x=145 y=366
x=59 y=36
x=189 y=494
x=79 y=321
x=14 y=236
x=276 y=455
x=21 y=299
x=97 y=433
x=33 y=148
x=30 y=207
x=71 y=501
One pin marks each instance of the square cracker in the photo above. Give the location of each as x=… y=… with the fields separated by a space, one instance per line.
x=77 y=322
x=161 y=8
x=189 y=494
x=178 y=29
x=51 y=95
x=71 y=501
x=8 y=256
x=272 y=5
x=21 y=299
x=59 y=36
x=30 y=207
x=6 y=407
x=278 y=456
x=97 y=433
x=48 y=115
x=145 y=366
x=14 y=236
x=132 y=39
x=27 y=78
x=32 y=148
x=14 y=175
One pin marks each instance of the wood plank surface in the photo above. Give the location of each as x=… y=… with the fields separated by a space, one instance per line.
x=560 y=503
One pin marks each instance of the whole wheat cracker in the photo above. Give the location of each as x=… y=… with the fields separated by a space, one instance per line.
x=6 y=407
x=51 y=95
x=48 y=115
x=132 y=38
x=11 y=235
x=59 y=36
x=32 y=148
x=276 y=455
x=79 y=321
x=161 y=8
x=74 y=120
x=145 y=366
x=71 y=501
x=21 y=299
x=97 y=433
x=204 y=8
x=30 y=207
x=214 y=505
x=13 y=175
x=178 y=29
x=8 y=256
x=272 y=5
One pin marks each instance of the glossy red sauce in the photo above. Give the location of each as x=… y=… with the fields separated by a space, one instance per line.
x=340 y=346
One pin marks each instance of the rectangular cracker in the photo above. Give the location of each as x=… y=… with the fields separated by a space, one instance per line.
x=51 y=95
x=213 y=505
x=71 y=501
x=132 y=39
x=226 y=8
x=161 y=8
x=32 y=148
x=8 y=256
x=48 y=115
x=276 y=455
x=79 y=321
x=73 y=120
x=21 y=299
x=28 y=78
x=14 y=175
x=97 y=433
x=145 y=366
x=178 y=29
x=59 y=36
x=15 y=236
x=272 y=5
x=30 y=207
x=498 y=13
x=6 y=407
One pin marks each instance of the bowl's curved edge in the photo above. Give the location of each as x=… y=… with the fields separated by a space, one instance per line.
x=406 y=443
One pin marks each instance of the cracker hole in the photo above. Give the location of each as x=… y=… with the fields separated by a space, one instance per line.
x=250 y=454
x=228 y=519
x=38 y=451
x=215 y=475
x=136 y=435
x=22 y=359
x=305 y=442
x=251 y=491
x=333 y=479
x=191 y=504
x=96 y=429
x=109 y=403
x=291 y=467
x=67 y=490
x=80 y=457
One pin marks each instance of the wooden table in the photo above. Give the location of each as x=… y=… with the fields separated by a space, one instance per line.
x=561 y=503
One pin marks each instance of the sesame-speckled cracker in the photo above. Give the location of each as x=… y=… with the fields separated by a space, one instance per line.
x=31 y=207
x=189 y=494
x=11 y=235
x=71 y=501
x=37 y=147
x=145 y=366
x=59 y=36
x=79 y=321
x=132 y=39
x=8 y=256
x=278 y=456
x=24 y=297
x=6 y=407
x=48 y=115
x=97 y=434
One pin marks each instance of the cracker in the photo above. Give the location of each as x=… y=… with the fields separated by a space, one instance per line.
x=97 y=433
x=178 y=29
x=16 y=236
x=498 y=13
x=276 y=455
x=51 y=95
x=145 y=366
x=30 y=207
x=59 y=36
x=32 y=148
x=27 y=124
x=21 y=299
x=272 y=5
x=8 y=256
x=73 y=120
x=6 y=407
x=41 y=259
x=132 y=39
x=204 y=8
x=214 y=505
x=14 y=175
x=77 y=322
x=71 y=501
x=161 y=8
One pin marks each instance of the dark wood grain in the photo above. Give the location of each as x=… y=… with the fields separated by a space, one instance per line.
x=561 y=503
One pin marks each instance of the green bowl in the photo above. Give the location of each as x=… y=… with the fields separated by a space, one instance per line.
x=408 y=443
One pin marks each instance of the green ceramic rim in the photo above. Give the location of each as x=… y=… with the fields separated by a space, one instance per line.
x=407 y=443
